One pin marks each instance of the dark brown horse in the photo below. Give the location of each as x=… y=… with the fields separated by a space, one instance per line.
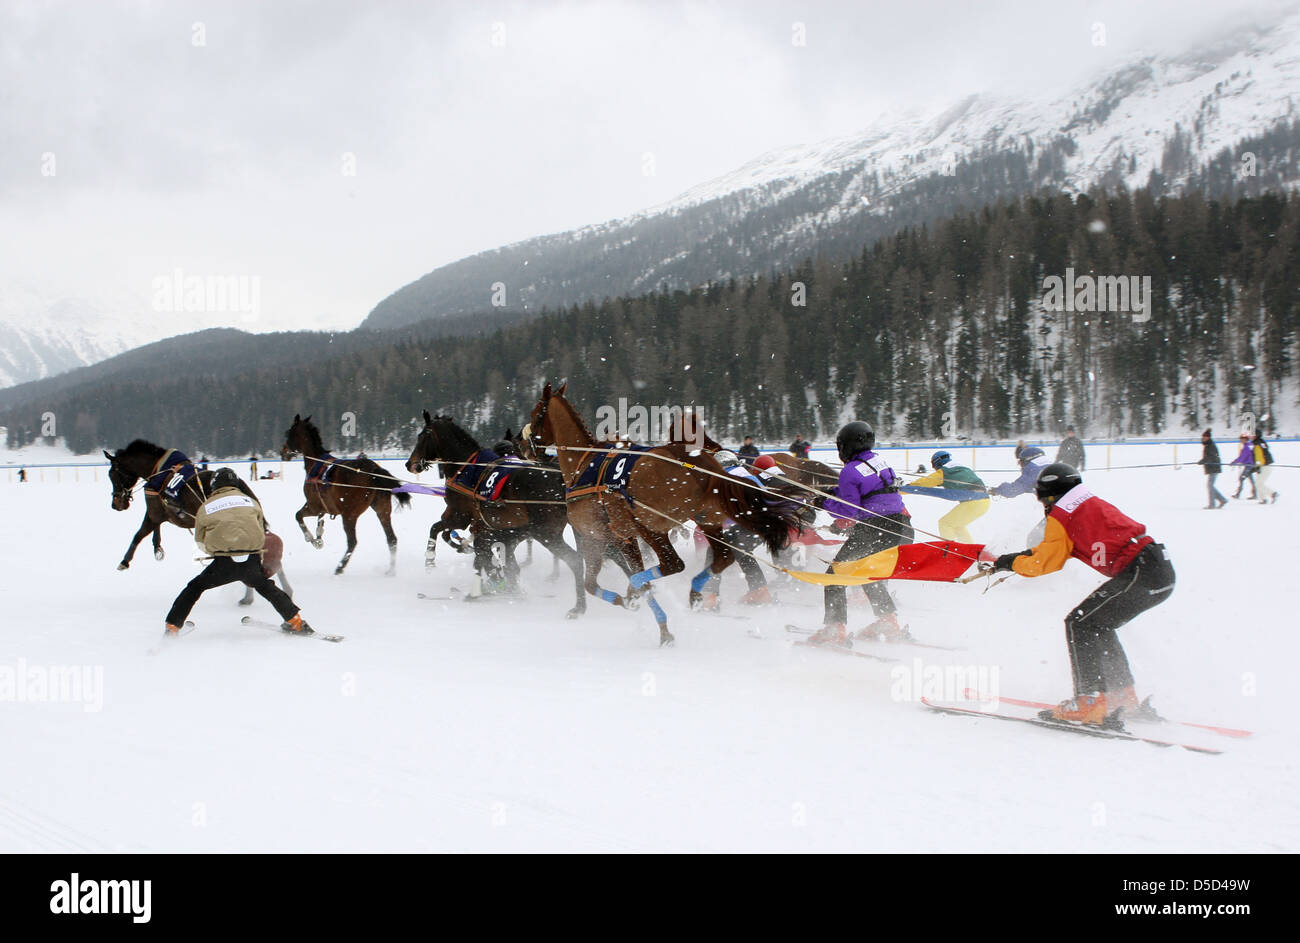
x=501 y=501
x=346 y=488
x=645 y=494
x=142 y=459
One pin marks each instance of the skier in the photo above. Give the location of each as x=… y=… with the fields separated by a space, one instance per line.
x=866 y=503
x=1071 y=451
x=1085 y=527
x=1213 y=466
x=229 y=525
x=799 y=447
x=1264 y=464
x=749 y=449
x=1246 y=459
x=953 y=525
x=758 y=593
x=1030 y=459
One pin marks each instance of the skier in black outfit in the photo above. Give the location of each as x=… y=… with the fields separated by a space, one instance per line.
x=800 y=446
x=1213 y=466
x=749 y=449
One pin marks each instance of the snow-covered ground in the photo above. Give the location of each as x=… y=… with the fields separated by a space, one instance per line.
x=501 y=726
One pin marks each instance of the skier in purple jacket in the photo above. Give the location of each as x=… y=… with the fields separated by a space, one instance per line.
x=867 y=504
x=1246 y=459
x=1032 y=461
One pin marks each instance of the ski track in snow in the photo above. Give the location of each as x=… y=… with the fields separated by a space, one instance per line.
x=502 y=726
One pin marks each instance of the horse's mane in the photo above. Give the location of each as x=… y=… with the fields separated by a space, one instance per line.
x=457 y=434
x=318 y=447
x=141 y=447
x=576 y=418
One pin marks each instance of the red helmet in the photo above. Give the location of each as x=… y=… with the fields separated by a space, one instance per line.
x=764 y=462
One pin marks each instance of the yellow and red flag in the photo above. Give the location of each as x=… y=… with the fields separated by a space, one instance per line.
x=941 y=561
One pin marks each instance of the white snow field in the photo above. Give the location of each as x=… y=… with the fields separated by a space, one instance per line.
x=500 y=726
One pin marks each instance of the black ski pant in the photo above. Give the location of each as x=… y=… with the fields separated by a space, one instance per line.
x=1097 y=660
x=225 y=570
x=866 y=538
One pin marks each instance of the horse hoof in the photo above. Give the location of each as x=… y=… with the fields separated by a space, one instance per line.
x=158 y=554
x=695 y=601
x=631 y=603
x=666 y=639
x=575 y=612
x=338 y=571
x=318 y=544
x=124 y=566
x=245 y=602
x=390 y=573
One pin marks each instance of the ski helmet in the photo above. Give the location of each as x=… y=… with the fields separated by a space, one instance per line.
x=726 y=458
x=223 y=478
x=939 y=459
x=1055 y=480
x=764 y=462
x=855 y=437
x=1028 y=454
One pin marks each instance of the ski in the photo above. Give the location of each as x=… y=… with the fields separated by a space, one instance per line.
x=1222 y=731
x=258 y=623
x=1105 y=733
x=838 y=649
x=910 y=643
x=186 y=629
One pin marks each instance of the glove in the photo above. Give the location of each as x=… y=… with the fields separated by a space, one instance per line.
x=1004 y=562
x=843 y=523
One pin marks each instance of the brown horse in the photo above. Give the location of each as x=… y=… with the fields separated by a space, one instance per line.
x=806 y=471
x=616 y=496
x=500 y=501
x=341 y=487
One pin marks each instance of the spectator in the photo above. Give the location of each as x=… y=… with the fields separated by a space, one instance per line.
x=1071 y=450
x=22 y=475
x=1246 y=459
x=799 y=447
x=749 y=449
x=1264 y=464
x=252 y=467
x=1213 y=468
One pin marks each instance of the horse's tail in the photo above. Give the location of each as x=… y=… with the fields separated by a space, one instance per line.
x=381 y=479
x=769 y=517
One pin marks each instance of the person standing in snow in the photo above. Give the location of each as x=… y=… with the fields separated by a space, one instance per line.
x=1264 y=463
x=1246 y=459
x=1213 y=466
x=1071 y=450
x=1031 y=462
x=749 y=449
x=230 y=527
x=867 y=504
x=799 y=447
x=954 y=525
x=1140 y=576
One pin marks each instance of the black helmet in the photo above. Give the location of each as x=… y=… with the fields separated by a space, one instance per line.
x=223 y=478
x=1055 y=480
x=854 y=438
x=506 y=447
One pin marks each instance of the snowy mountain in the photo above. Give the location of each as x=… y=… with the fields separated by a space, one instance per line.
x=45 y=331
x=1158 y=119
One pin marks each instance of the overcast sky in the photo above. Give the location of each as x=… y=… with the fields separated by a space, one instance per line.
x=218 y=136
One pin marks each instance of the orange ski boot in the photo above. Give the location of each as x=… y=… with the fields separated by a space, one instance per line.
x=758 y=596
x=1090 y=709
x=886 y=629
x=831 y=634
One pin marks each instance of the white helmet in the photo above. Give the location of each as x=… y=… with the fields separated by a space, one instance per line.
x=726 y=458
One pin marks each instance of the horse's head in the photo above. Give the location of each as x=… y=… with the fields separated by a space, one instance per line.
x=426 y=447
x=297 y=438
x=123 y=482
x=540 y=431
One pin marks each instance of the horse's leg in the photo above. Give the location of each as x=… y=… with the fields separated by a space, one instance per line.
x=669 y=564
x=302 y=525
x=554 y=542
x=431 y=548
x=383 y=506
x=350 y=530
x=157 y=540
x=248 y=596
x=284 y=583
x=722 y=558
x=145 y=529
x=511 y=564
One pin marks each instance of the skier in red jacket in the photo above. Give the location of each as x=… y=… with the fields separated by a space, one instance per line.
x=1087 y=528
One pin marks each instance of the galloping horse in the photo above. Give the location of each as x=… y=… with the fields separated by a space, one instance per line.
x=143 y=459
x=617 y=495
x=506 y=499
x=341 y=487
